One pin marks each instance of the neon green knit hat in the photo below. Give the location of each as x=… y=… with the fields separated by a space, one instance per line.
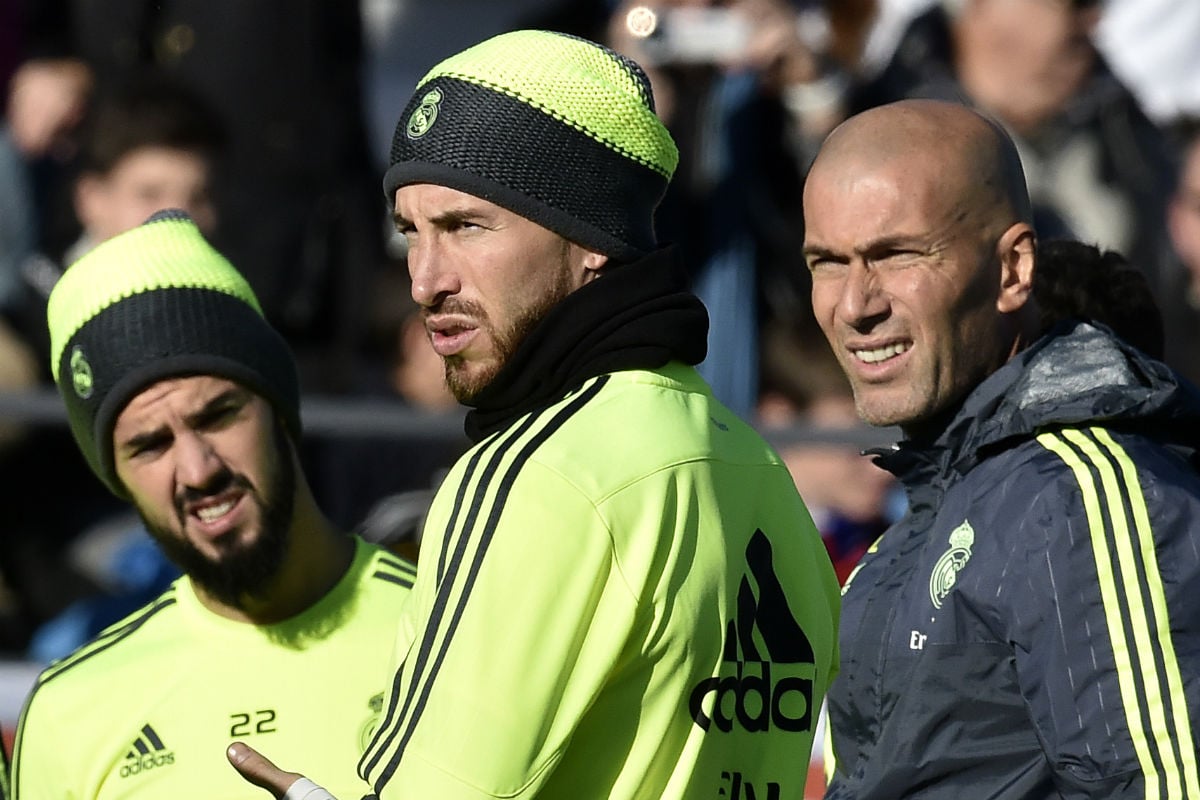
x=152 y=303
x=555 y=128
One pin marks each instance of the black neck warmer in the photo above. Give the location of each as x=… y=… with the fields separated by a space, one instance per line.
x=634 y=316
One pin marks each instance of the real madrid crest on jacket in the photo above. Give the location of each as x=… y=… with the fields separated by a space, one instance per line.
x=1049 y=568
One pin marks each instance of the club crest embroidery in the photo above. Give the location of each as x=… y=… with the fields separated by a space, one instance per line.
x=945 y=571
x=81 y=374
x=424 y=115
x=367 y=731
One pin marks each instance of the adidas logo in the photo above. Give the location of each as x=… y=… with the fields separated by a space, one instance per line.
x=147 y=753
x=746 y=693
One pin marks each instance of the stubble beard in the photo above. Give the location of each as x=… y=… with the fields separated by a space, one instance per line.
x=466 y=384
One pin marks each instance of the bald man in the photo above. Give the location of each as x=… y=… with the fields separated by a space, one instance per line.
x=1031 y=627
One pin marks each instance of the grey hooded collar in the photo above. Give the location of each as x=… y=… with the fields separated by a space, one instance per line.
x=1077 y=373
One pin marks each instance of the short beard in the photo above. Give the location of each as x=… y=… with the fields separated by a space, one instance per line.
x=465 y=386
x=247 y=573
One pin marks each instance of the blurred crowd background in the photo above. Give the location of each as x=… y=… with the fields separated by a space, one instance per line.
x=270 y=122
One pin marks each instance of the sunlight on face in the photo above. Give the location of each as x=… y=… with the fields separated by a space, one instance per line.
x=208 y=466
x=903 y=287
x=484 y=277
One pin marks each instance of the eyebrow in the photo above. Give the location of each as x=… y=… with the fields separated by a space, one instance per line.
x=235 y=394
x=139 y=441
x=444 y=219
x=817 y=251
x=232 y=395
x=884 y=243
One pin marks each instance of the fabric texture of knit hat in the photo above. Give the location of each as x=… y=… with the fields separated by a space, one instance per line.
x=152 y=303
x=555 y=128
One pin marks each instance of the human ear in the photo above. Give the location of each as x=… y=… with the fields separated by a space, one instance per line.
x=593 y=263
x=1015 y=252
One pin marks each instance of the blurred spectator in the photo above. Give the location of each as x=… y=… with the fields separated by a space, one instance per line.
x=297 y=197
x=888 y=23
x=152 y=144
x=748 y=89
x=19 y=364
x=403 y=37
x=18 y=235
x=1152 y=46
x=17 y=227
x=1183 y=223
x=412 y=370
x=381 y=487
x=18 y=371
x=127 y=568
x=1098 y=169
x=143 y=146
x=851 y=500
x=722 y=75
x=1079 y=280
x=1149 y=44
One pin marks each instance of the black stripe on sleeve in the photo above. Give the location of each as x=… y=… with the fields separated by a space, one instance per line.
x=402 y=580
x=106 y=640
x=398 y=564
x=99 y=645
x=390 y=725
x=485 y=537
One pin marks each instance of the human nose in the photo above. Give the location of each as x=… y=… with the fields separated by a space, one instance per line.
x=433 y=278
x=862 y=301
x=196 y=461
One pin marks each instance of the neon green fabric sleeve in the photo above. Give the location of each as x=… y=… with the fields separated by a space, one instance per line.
x=147 y=709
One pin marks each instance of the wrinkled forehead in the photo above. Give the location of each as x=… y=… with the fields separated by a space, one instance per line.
x=178 y=394
x=878 y=195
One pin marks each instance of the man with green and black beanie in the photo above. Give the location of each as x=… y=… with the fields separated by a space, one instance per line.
x=184 y=401
x=621 y=594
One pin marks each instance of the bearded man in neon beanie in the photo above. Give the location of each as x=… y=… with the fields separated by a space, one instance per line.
x=621 y=594
x=184 y=401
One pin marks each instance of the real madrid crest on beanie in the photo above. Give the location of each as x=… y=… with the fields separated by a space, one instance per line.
x=552 y=127
x=152 y=303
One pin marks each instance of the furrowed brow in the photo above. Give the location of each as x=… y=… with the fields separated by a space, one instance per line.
x=234 y=397
x=142 y=440
x=817 y=251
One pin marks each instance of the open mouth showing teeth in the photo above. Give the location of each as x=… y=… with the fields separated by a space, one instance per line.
x=215 y=512
x=881 y=353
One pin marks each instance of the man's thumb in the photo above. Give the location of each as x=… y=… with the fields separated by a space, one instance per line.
x=258 y=770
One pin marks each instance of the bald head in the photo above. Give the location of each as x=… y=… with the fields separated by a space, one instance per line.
x=958 y=150
x=919 y=239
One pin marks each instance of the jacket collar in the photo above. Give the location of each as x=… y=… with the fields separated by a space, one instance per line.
x=634 y=316
x=1077 y=373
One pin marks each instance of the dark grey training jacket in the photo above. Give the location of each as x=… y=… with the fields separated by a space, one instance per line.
x=1031 y=628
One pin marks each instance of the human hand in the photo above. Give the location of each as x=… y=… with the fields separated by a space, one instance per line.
x=760 y=35
x=775 y=46
x=258 y=770
x=47 y=97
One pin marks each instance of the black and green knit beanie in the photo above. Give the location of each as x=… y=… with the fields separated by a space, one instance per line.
x=152 y=303
x=552 y=127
